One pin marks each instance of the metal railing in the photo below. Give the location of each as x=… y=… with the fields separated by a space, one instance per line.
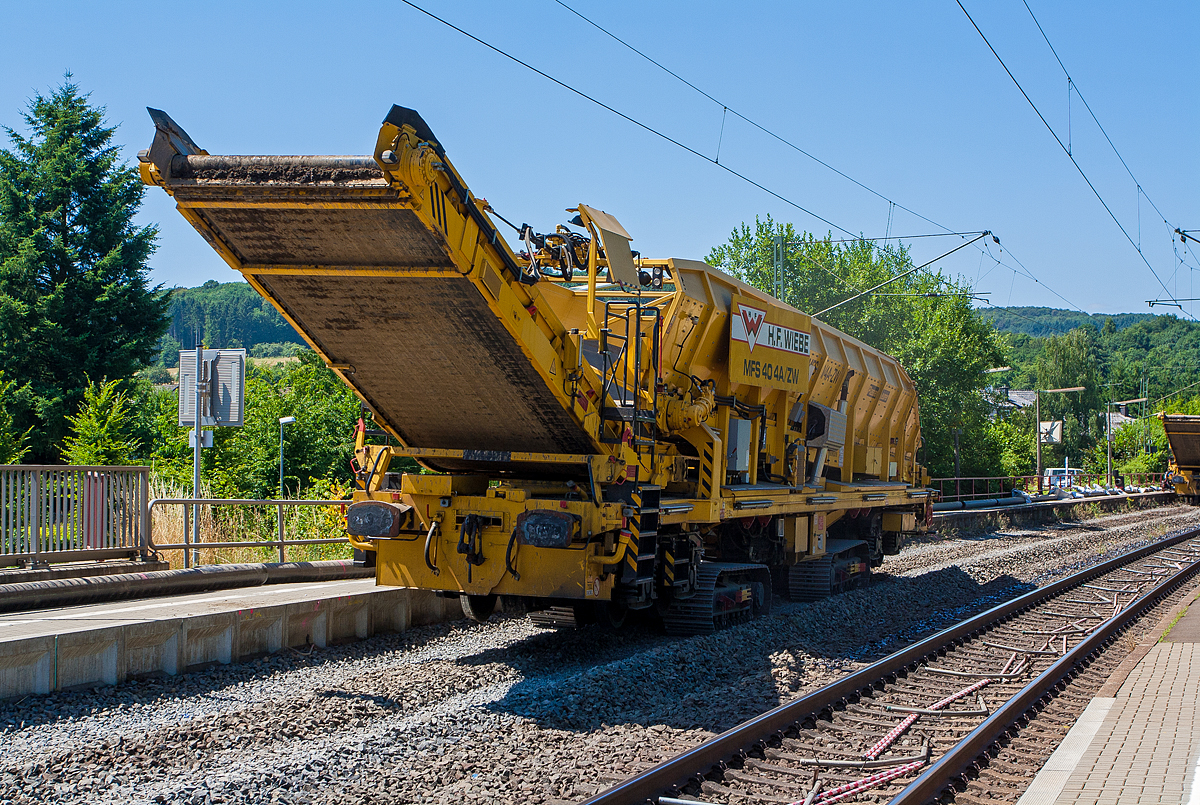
x=63 y=513
x=191 y=548
x=983 y=487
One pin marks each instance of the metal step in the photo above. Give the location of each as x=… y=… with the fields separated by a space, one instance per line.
x=555 y=618
x=626 y=413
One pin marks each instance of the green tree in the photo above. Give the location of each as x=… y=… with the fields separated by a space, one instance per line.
x=923 y=319
x=74 y=298
x=12 y=442
x=244 y=462
x=226 y=315
x=102 y=432
x=1014 y=435
x=1070 y=360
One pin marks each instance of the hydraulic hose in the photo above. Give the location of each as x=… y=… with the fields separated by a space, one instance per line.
x=508 y=555
x=429 y=542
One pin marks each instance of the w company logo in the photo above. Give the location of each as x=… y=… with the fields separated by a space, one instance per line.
x=749 y=325
x=752 y=320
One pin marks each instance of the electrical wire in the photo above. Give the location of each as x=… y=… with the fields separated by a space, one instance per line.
x=649 y=129
x=1176 y=391
x=726 y=109
x=1140 y=189
x=1087 y=106
x=739 y=115
x=901 y=276
x=673 y=141
x=1065 y=149
x=900 y=237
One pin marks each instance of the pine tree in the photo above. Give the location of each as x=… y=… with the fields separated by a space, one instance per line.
x=75 y=301
x=101 y=433
x=12 y=442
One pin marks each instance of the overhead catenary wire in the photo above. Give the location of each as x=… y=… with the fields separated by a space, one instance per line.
x=1071 y=83
x=1176 y=391
x=1141 y=191
x=726 y=110
x=891 y=237
x=744 y=118
x=901 y=276
x=662 y=135
x=1065 y=150
x=937 y=294
x=628 y=118
x=651 y=130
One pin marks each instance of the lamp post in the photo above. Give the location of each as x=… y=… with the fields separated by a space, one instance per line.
x=1037 y=425
x=283 y=420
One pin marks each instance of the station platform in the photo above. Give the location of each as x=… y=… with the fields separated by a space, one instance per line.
x=1138 y=741
x=57 y=649
x=79 y=570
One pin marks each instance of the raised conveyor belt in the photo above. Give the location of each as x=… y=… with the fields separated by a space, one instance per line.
x=375 y=290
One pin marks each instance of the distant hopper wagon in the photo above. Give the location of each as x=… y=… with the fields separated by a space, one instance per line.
x=1183 y=436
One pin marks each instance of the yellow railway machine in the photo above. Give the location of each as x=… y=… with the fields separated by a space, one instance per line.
x=1183 y=435
x=599 y=433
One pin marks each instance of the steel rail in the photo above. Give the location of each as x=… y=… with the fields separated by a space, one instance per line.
x=666 y=779
x=966 y=752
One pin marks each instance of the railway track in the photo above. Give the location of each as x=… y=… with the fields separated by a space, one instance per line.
x=904 y=729
x=508 y=712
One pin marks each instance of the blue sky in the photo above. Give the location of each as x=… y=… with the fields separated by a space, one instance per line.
x=904 y=97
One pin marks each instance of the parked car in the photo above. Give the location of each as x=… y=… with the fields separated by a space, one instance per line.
x=1061 y=477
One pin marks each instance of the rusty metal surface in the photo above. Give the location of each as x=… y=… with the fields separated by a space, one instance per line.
x=434 y=361
x=1183 y=434
x=275 y=169
x=428 y=353
x=337 y=237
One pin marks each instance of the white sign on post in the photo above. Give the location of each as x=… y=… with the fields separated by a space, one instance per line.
x=1051 y=432
x=212 y=383
x=222 y=388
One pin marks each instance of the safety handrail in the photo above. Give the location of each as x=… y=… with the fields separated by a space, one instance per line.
x=188 y=547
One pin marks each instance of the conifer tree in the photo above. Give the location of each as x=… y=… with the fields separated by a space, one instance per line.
x=101 y=433
x=75 y=301
x=12 y=442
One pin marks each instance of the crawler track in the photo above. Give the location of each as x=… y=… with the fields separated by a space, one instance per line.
x=909 y=725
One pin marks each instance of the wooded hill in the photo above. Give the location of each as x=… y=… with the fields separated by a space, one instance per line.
x=1124 y=347
x=226 y=315
x=1043 y=321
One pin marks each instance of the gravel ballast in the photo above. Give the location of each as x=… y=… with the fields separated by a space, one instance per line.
x=507 y=711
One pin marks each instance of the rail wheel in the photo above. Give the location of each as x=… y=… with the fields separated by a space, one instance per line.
x=478 y=607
